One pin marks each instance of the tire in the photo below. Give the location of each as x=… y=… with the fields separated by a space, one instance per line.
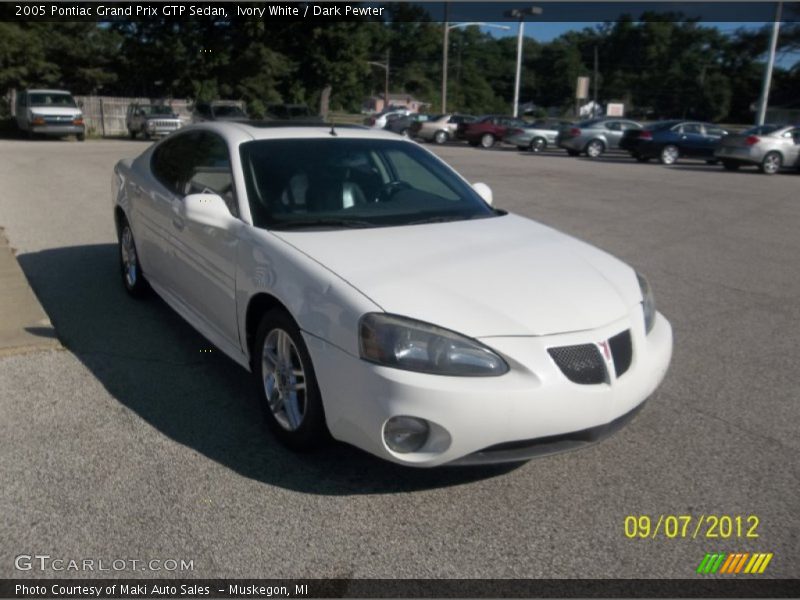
x=81 y=137
x=573 y=153
x=287 y=385
x=133 y=134
x=669 y=154
x=730 y=165
x=440 y=137
x=595 y=148
x=771 y=163
x=487 y=140
x=537 y=145
x=130 y=268
x=404 y=133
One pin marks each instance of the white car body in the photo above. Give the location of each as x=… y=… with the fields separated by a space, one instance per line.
x=514 y=285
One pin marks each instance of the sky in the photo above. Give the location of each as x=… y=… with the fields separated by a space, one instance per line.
x=546 y=31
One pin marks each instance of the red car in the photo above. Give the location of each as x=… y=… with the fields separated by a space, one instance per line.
x=487 y=130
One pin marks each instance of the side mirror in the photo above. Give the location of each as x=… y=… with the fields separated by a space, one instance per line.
x=484 y=191
x=206 y=209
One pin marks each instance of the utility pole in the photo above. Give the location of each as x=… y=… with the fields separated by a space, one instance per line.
x=520 y=14
x=773 y=44
x=594 y=99
x=445 y=51
x=386 y=82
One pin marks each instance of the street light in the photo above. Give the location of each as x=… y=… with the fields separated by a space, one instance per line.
x=445 y=48
x=385 y=67
x=520 y=13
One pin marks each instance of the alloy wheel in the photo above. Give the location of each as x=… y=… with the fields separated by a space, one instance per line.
x=130 y=261
x=284 y=379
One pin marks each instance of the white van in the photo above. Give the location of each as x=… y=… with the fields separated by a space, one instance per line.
x=49 y=112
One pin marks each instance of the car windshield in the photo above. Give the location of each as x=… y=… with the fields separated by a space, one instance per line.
x=45 y=99
x=761 y=130
x=307 y=183
x=157 y=110
x=228 y=111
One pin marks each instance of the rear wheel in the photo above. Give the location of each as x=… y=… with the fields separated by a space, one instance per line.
x=440 y=137
x=487 y=140
x=538 y=144
x=595 y=148
x=669 y=154
x=730 y=165
x=772 y=163
x=287 y=384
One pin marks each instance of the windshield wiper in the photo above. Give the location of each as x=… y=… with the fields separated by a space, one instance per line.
x=302 y=224
x=441 y=219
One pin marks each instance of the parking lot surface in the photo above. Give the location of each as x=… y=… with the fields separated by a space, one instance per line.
x=139 y=441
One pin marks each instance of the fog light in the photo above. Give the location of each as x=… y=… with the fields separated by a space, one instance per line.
x=405 y=434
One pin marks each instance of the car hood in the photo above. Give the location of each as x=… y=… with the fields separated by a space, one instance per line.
x=499 y=276
x=55 y=111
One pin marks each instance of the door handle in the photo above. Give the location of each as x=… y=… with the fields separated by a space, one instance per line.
x=178 y=223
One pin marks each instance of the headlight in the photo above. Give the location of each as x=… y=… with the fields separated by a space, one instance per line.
x=412 y=345
x=648 y=303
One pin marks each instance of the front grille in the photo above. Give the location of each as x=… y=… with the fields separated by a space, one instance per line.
x=57 y=120
x=622 y=351
x=581 y=364
x=164 y=124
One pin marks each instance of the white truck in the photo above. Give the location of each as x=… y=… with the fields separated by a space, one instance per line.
x=49 y=112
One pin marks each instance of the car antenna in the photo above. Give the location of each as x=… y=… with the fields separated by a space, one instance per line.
x=333 y=129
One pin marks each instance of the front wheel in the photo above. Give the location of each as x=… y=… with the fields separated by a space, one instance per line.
x=132 y=277
x=487 y=140
x=772 y=163
x=669 y=154
x=440 y=137
x=538 y=144
x=595 y=148
x=287 y=384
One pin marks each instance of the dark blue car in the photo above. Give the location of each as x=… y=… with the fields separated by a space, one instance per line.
x=670 y=140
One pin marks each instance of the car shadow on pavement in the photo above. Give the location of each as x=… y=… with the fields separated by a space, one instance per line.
x=155 y=364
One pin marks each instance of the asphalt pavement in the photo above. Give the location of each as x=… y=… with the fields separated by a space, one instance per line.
x=135 y=442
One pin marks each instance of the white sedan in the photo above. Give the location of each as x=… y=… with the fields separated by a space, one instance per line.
x=377 y=297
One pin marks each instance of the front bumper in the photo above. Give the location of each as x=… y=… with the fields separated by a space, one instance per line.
x=570 y=143
x=491 y=419
x=66 y=129
x=741 y=154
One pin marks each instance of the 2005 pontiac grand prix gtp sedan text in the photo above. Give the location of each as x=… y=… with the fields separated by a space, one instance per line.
x=378 y=298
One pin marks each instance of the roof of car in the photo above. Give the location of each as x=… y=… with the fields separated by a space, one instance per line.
x=44 y=91
x=243 y=131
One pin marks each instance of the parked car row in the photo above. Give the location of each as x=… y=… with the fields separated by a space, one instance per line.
x=769 y=147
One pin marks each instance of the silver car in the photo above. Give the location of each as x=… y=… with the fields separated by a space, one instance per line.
x=538 y=136
x=770 y=147
x=594 y=136
x=440 y=129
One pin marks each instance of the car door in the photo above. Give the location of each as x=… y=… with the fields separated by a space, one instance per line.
x=691 y=141
x=156 y=199
x=791 y=147
x=711 y=138
x=613 y=133
x=205 y=254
